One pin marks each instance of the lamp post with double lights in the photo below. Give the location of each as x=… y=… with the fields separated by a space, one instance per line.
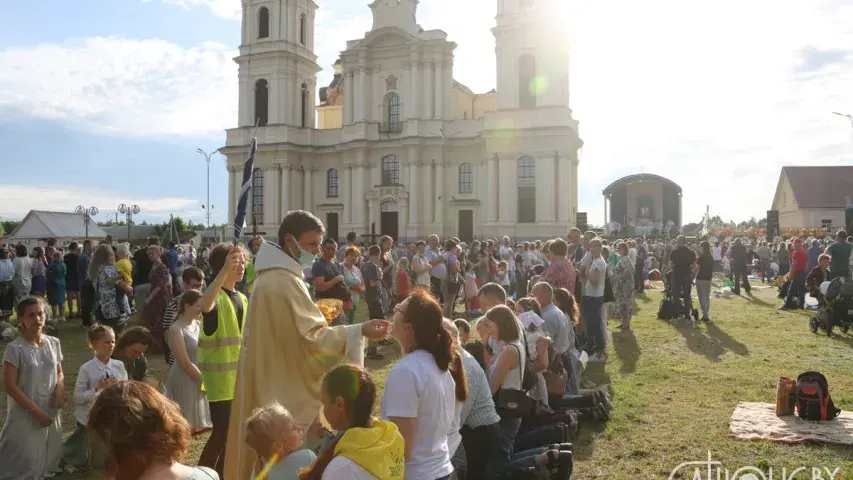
x=87 y=214
x=845 y=115
x=208 y=207
x=128 y=212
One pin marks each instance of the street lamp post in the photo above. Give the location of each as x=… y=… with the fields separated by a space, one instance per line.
x=209 y=207
x=87 y=213
x=128 y=212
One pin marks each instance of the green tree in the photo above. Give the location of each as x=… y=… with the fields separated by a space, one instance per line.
x=8 y=226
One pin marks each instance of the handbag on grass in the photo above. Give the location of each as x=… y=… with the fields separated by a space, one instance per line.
x=514 y=403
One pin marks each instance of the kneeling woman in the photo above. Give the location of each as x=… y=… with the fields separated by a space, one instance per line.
x=506 y=372
x=366 y=448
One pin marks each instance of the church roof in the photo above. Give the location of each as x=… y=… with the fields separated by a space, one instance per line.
x=637 y=178
x=820 y=186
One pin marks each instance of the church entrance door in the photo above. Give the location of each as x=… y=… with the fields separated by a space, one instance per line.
x=389 y=220
x=466 y=225
x=332 y=225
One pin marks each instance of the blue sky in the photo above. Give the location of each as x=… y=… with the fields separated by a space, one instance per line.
x=107 y=100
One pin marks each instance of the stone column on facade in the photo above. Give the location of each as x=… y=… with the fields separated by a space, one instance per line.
x=232 y=191
x=429 y=192
x=563 y=187
x=345 y=193
x=574 y=187
x=448 y=89
x=412 y=101
x=414 y=182
x=307 y=191
x=439 y=92
x=244 y=103
x=429 y=93
x=491 y=186
x=349 y=95
x=360 y=85
x=278 y=214
x=439 y=194
x=358 y=204
x=508 y=198
x=285 y=190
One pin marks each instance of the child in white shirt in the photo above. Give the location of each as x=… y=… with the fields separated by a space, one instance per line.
x=94 y=375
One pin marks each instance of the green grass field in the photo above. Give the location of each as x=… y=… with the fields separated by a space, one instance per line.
x=674 y=389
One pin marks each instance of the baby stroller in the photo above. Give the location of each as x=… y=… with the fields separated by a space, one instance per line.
x=835 y=307
x=671 y=306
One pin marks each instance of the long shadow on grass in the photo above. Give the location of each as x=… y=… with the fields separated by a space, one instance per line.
x=594 y=375
x=757 y=301
x=713 y=345
x=627 y=349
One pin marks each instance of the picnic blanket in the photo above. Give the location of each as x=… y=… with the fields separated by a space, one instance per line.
x=758 y=421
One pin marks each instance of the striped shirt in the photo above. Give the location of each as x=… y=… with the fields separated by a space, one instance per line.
x=479 y=408
x=168 y=320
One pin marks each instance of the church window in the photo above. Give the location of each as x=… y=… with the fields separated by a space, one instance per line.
x=261 y=102
x=305 y=107
x=332 y=182
x=393 y=117
x=303 y=26
x=526 y=190
x=257 y=197
x=526 y=81
x=466 y=178
x=390 y=170
x=263 y=23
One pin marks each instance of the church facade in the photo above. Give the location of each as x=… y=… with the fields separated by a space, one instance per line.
x=396 y=145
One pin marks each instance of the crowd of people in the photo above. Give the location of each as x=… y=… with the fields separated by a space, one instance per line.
x=494 y=339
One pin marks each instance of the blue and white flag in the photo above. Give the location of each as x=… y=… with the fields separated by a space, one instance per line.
x=243 y=203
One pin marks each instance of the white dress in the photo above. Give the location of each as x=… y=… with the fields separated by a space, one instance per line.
x=185 y=391
x=29 y=451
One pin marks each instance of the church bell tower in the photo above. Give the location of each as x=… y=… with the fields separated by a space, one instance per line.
x=532 y=47
x=531 y=138
x=277 y=65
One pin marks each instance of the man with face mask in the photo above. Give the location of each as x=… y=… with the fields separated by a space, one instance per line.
x=288 y=347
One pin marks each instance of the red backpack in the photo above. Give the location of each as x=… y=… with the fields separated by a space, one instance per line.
x=813 y=400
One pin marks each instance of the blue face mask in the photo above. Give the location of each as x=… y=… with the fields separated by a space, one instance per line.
x=306 y=259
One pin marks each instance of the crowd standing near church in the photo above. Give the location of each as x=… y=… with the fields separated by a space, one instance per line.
x=453 y=406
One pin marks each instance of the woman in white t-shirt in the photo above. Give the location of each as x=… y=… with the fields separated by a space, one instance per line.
x=506 y=372
x=422 y=390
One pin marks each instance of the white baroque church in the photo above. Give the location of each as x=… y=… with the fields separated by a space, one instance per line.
x=396 y=146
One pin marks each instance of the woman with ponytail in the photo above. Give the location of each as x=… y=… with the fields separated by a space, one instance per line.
x=365 y=448
x=420 y=392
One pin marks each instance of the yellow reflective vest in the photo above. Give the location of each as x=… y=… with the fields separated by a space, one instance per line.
x=219 y=353
x=251 y=274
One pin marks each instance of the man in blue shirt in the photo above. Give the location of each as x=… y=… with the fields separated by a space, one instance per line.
x=814 y=252
x=171 y=259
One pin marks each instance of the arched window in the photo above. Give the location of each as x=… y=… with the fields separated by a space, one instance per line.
x=257 y=197
x=263 y=23
x=261 y=102
x=526 y=81
x=466 y=178
x=332 y=182
x=526 y=173
x=305 y=107
x=303 y=26
x=393 y=119
x=390 y=170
